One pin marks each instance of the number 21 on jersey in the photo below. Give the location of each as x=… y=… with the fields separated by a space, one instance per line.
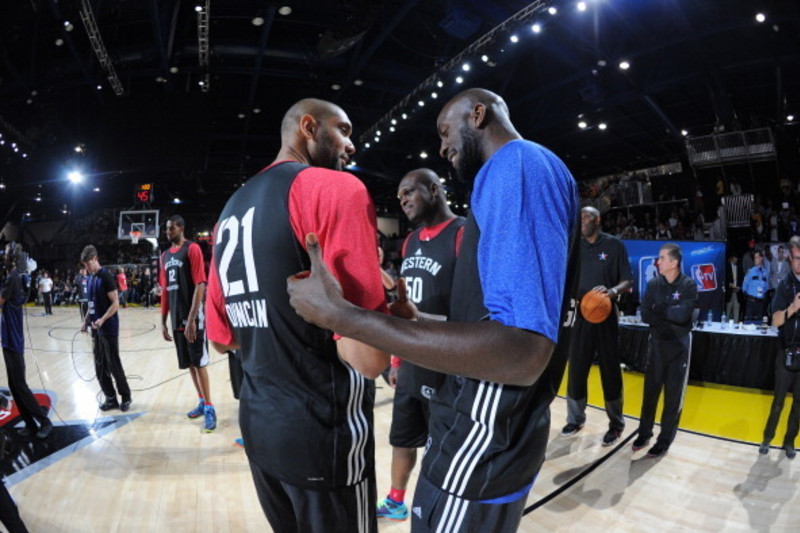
x=232 y=226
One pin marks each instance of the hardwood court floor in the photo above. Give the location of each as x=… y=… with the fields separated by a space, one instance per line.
x=158 y=472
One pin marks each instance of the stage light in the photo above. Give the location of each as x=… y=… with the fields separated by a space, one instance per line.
x=459 y=79
x=367 y=145
x=258 y=21
x=59 y=42
x=358 y=83
x=421 y=103
x=581 y=6
x=760 y=17
x=484 y=58
x=336 y=86
x=75 y=176
x=96 y=189
x=465 y=67
x=514 y=38
x=582 y=125
x=423 y=155
x=790 y=117
x=176 y=200
x=440 y=84
x=552 y=10
x=405 y=116
x=173 y=70
x=536 y=28
x=602 y=126
x=441 y=180
x=391 y=129
x=394 y=122
x=684 y=133
x=285 y=10
x=434 y=95
x=198 y=8
x=378 y=133
x=624 y=65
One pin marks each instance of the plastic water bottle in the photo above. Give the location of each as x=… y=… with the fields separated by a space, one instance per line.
x=724 y=319
x=638 y=315
x=764 y=325
x=710 y=317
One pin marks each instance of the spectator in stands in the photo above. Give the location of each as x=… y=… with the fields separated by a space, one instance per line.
x=733 y=277
x=663 y=234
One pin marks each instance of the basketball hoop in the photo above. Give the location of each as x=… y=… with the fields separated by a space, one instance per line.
x=135 y=235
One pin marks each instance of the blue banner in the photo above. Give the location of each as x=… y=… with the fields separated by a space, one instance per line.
x=704 y=262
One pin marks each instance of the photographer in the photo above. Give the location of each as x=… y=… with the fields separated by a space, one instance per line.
x=12 y=298
x=785 y=308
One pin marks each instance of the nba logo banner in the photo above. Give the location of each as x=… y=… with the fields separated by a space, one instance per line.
x=705 y=276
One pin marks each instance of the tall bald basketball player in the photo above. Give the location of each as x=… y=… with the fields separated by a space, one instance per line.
x=307 y=396
x=429 y=257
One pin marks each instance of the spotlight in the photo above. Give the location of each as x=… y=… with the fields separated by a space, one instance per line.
x=198 y=8
x=258 y=21
x=465 y=67
x=552 y=10
x=404 y=116
x=176 y=200
x=760 y=17
x=514 y=38
x=75 y=176
x=423 y=155
x=439 y=84
x=684 y=133
x=391 y=128
x=59 y=42
x=459 y=79
x=790 y=117
x=241 y=115
x=434 y=95
x=358 y=83
x=536 y=28
x=366 y=145
x=378 y=133
x=173 y=70
x=2 y=185
x=582 y=125
x=96 y=189
x=421 y=103
x=68 y=26
x=256 y=110
x=79 y=149
x=602 y=126
x=441 y=180
x=99 y=87
x=624 y=65
x=484 y=58
x=377 y=139
x=394 y=122
x=285 y=11
x=336 y=86
x=581 y=6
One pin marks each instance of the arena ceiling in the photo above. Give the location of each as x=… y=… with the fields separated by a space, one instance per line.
x=155 y=91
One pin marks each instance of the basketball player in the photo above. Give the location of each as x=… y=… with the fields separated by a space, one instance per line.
x=183 y=280
x=306 y=400
x=104 y=322
x=12 y=298
x=667 y=306
x=490 y=418
x=605 y=269
x=429 y=255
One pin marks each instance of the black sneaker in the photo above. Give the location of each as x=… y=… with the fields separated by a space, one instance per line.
x=764 y=448
x=44 y=430
x=790 y=451
x=611 y=436
x=658 y=450
x=125 y=405
x=109 y=404
x=640 y=443
x=27 y=431
x=570 y=429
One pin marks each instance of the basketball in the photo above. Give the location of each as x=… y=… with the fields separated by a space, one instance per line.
x=595 y=306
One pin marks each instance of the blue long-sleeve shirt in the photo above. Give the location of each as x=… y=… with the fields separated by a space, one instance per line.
x=756 y=282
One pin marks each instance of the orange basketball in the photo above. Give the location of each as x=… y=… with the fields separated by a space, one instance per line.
x=595 y=306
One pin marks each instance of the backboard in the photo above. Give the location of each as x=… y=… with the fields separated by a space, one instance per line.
x=145 y=221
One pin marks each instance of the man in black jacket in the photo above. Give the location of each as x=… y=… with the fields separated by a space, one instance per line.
x=785 y=308
x=667 y=306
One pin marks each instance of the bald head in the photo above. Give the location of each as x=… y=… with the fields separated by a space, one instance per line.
x=472 y=126
x=316 y=132
x=422 y=198
x=314 y=107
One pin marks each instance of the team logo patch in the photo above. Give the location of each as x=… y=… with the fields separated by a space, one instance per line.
x=705 y=276
x=602 y=256
x=648 y=269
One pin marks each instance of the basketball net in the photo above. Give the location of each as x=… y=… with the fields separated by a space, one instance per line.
x=135 y=236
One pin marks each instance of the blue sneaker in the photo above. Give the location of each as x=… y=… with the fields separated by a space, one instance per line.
x=197 y=411
x=392 y=510
x=238 y=442
x=211 y=419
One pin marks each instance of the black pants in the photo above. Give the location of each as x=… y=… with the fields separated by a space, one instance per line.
x=47 y=297
x=440 y=511
x=754 y=309
x=785 y=381
x=667 y=369
x=588 y=338
x=9 y=514
x=29 y=409
x=107 y=364
x=84 y=308
x=291 y=509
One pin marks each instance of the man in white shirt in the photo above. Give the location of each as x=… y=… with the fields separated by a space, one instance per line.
x=46 y=286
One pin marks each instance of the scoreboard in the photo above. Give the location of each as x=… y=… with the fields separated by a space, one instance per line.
x=144 y=193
